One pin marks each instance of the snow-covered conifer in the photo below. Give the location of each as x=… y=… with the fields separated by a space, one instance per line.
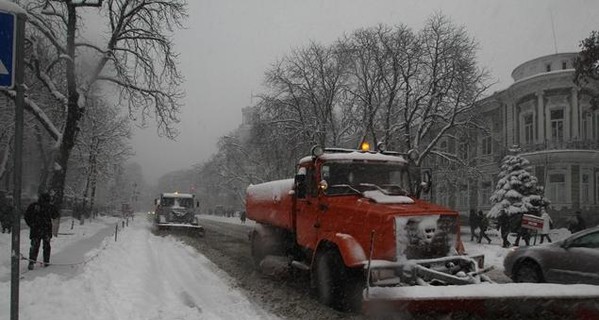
x=517 y=190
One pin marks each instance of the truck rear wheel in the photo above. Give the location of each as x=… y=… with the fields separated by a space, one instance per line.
x=258 y=250
x=336 y=285
x=266 y=241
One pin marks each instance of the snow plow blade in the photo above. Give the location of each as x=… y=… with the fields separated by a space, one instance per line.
x=180 y=228
x=485 y=300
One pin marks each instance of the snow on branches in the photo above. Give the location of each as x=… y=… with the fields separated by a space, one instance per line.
x=517 y=190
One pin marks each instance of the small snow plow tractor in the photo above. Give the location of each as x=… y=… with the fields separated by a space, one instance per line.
x=176 y=213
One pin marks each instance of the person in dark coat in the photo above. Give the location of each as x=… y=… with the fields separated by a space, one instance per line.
x=504 y=224
x=6 y=213
x=577 y=223
x=473 y=220
x=522 y=233
x=483 y=223
x=38 y=217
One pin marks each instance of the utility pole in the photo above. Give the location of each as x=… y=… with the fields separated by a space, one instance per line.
x=12 y=22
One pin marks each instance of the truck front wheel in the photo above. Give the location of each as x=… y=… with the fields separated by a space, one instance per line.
x=336 y=285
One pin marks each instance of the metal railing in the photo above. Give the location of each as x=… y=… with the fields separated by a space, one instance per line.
x=586 y=144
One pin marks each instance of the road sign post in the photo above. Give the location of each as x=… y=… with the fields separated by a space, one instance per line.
x=12 y=35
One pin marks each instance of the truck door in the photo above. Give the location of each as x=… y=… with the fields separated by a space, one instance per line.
x=307 y=211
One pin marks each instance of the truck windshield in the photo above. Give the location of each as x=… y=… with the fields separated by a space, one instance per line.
x=352 y=177
x=177 y=202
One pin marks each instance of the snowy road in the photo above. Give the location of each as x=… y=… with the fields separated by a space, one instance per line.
x=141 y=276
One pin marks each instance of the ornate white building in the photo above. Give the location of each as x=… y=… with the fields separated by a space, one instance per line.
x=557 y=128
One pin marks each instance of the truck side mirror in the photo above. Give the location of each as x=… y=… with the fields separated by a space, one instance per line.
x=300 y=185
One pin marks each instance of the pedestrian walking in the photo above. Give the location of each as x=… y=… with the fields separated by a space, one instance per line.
x=503 y=223
x=473 y=220
x=577 y=223
x=6 y=213
x=522 y=233
x=547 y=223
x=38 y=217
x=483 y=224
x=242 y=216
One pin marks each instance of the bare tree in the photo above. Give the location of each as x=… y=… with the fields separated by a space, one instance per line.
x=442 y=84
x=101 y=144
x=377 y=56
x=137 y=59
x=305 y=92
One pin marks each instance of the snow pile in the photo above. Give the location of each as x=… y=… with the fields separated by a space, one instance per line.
x=486 y=290
x=230 y=220
x=141 y=276
x=66 y=237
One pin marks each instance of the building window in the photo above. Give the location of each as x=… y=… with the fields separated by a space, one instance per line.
x=548 y=67
x=528 y=129
x=557 y=125
x=443 y=195
x=487 y=145
x=557 y=188
x=463 y=196
x=564 y=65
x=585 y=189
x=485 y=193
x=584 y=127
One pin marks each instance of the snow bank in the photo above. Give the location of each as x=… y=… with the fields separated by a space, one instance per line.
x=141 y=276
x=491 y=290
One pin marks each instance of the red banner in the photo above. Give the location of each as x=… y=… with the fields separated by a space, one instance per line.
x=533 y=222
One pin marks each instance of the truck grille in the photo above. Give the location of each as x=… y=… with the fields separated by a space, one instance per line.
x=425 y=237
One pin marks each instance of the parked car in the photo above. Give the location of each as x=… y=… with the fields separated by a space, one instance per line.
x=572 y=260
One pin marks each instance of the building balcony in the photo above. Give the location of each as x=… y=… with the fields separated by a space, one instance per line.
x=562 y=145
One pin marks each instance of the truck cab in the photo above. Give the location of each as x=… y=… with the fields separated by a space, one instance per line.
x=175 y=208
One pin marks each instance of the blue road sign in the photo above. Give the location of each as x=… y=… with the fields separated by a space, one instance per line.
x=7 y=49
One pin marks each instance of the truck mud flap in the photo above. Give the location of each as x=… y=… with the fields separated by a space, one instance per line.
x=177 y=228
x=485 y=301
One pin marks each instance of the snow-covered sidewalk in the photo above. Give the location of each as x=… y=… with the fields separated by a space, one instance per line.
x=140 y=276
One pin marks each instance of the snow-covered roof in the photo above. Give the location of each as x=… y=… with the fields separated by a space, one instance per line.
x=356 y=155
x=177 y=195
x=8 y=6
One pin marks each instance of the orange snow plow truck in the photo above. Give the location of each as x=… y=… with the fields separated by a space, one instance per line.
x=353 y=220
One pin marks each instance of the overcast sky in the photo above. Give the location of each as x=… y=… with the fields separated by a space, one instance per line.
x=228 y=45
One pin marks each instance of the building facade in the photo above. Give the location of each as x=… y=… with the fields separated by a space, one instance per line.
x=555 y=125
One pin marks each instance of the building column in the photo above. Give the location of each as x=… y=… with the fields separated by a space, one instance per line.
x=541 y=117
x=575 y=115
